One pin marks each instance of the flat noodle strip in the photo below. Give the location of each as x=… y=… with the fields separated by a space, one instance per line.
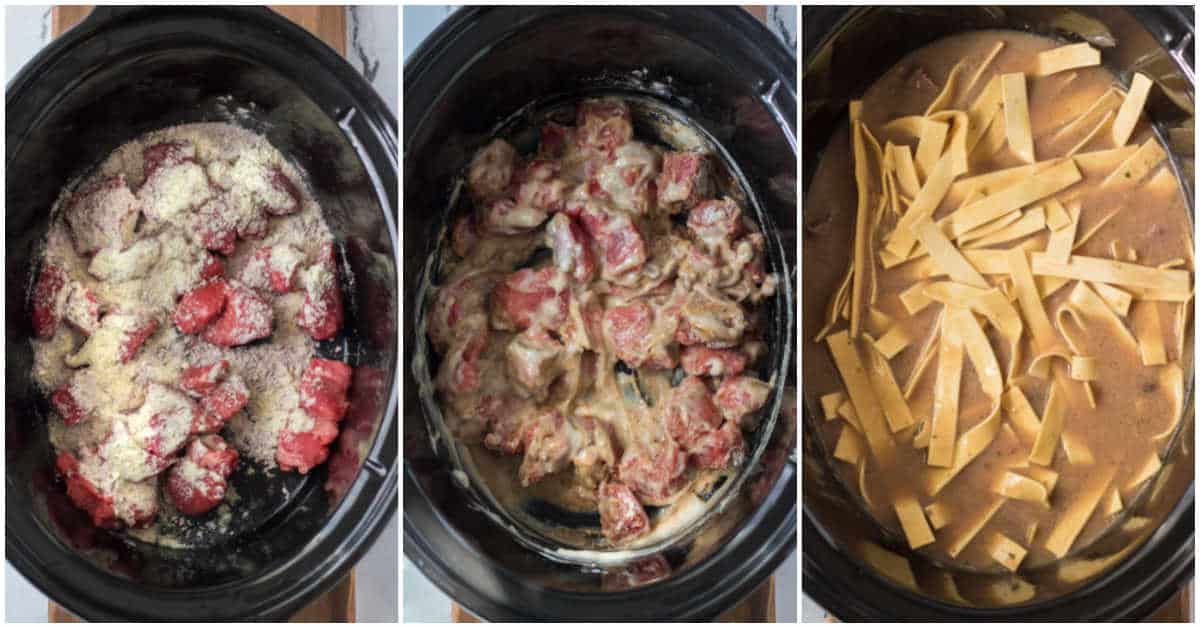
x=912 y=521
x=1051 y=428
x=972 y=442
x=914 y=299
x=1021 y=414
x=1148 y=329
x=923 y=206
x=1049 y=285
x=846 y=411
x=1117 y=299
x=972 y=528
x=830 y=404
x=946 y=256
x=1049 y=181
x=862 y=228
x=929 y=148
x=1091 y=134
x=906 y=171
x=938 y=515
x=910 y=126
x=1016 y=116
x=1093 y=307
x=1077 y=450
x=1077 y=513
x=983 y=66
x=1005 y=551
x=1033 y=221
x=993 y=139
x=957 y=144
x=849 y=446
x=925 y=357
x=893 y=342
x=987 y=229
x=1131 y=109
x=946 y=96
x=1016 y=486
x=1094 y=229
x=1138 y=165
x=1063 y=58
x=1111 y=504
x=1098 y=269
x=1106 y=103
x=1056 y=215
x=1048 y=477
x=990 y=303
x=870 y=414
x=1027 y=298
x=1058 y=249
x=1084 y=368
x=945 y=397
x=895 y=408
x=840 y=298
x=877 y=320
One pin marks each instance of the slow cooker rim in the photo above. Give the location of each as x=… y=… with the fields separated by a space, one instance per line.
x=338 y=552
x=1178 y=563
x=416 y=547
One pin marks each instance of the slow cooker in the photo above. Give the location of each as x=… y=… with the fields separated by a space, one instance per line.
x=488 y=72
x=845 y=51
x=121 y=73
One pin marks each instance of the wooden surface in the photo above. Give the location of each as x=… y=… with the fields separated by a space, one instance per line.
x=326 y=22
x=329 y=24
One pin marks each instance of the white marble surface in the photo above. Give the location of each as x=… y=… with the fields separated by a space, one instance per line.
x=371 y=33
x=423 y=601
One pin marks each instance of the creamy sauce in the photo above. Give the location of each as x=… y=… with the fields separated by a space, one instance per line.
x=1132 y=404
x=559 y=323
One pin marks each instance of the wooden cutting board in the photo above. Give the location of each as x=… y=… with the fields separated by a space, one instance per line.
x=329 y=24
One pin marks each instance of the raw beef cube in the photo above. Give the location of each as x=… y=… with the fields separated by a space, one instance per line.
x=322 y=314
x=654 y=471
x=199 y=380
x=621 y=515
x=547 y=447
x=200 y=306
x=702 y=361
x=690 y=412
x=198 y=482
x=491 y=170
x=82 y=308
x=740 y=396
x=135 y=336
x=46 y=301
x=323 y=388
x=102 y=215
x=572 y=253
x=246 y=318
x=684 y=179
x=528 y=297
x=67 y=406
x=84 y=494
x=603 y=125
x=220 y=404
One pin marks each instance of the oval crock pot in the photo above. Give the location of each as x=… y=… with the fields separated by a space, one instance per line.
x=126 y=71
x=845 y=51
x=478 y=71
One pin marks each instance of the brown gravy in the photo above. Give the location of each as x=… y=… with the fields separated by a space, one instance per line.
x=1131 y=404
